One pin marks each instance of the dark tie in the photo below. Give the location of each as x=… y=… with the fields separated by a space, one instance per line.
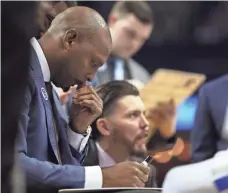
x=51 y=99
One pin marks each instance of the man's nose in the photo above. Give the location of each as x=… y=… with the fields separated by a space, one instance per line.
x=144 y=123
x=90 y=77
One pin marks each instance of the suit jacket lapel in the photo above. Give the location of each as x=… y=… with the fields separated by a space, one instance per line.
x=43 y=94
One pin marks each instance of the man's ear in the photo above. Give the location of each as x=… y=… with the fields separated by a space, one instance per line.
x=70 y=38
x=104 y=127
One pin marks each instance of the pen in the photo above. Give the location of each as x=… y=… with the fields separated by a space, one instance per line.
x=147 y=161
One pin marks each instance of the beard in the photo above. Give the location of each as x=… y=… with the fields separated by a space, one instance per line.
x=139 y=152
x=130 y=145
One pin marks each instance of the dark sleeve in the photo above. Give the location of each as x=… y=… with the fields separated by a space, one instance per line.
x=203 y=137
x=43 y=173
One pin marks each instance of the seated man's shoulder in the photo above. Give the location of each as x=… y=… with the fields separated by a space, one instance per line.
x=216 y=83
x=137 y=65
x=138 y=71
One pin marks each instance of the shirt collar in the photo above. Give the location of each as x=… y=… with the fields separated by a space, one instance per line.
x=105 y=160
x=42 y=59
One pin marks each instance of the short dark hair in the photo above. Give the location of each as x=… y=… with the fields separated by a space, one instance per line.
x=140 y=9
x=109 y=93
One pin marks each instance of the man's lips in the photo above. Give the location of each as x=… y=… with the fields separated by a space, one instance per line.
x=141 y=139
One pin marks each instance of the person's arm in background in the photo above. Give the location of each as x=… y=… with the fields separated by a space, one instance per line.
x=162 y=117
x=203 y=137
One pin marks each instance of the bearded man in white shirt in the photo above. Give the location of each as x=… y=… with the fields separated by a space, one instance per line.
x=120 y=133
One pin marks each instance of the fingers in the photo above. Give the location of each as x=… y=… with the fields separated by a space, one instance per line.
x=88 y=90
x=141 y=174
x=142 y=168
x=138 y=183
x=92 y=105
x=86 y=96
x=90 y=101
x=89 y=97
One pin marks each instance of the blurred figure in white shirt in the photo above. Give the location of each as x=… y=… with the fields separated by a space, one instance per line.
x=210 y=176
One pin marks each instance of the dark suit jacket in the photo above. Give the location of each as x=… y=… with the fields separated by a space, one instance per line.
x=92 y=160
x=206 y=136
x=36 y=143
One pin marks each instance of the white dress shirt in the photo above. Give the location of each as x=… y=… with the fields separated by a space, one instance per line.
x=105 y=160
x=77 y=141
x=199 y=177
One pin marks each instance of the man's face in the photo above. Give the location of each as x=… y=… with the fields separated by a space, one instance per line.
x=129 y=125
x=128 y=34
x=81 y=60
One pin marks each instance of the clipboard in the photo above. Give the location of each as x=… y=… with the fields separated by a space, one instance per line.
x=167 y=84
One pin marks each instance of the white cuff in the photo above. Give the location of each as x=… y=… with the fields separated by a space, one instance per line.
x=93 y=177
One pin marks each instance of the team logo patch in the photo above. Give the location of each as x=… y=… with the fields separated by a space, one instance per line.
x=44 y=93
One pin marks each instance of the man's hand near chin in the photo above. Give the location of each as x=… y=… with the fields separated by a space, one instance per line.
x=86 y=107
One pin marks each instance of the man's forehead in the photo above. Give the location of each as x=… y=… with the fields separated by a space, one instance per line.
x=130 y=103
x=132 y=23
x=130 y=19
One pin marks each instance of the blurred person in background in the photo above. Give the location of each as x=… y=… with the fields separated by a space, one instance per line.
x=18 y=22
x=120 y=133
x=210 y=132
x=48 y=10
x=131 y=24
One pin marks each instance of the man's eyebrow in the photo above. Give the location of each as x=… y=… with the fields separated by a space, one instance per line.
x=134 y=111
